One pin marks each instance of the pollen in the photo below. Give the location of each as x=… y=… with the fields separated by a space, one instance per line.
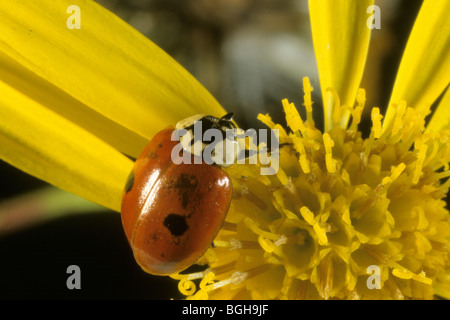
x=339 y=205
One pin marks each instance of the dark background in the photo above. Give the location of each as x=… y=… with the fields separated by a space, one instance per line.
x=34 y=259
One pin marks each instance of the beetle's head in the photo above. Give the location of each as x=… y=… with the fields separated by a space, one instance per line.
x=210 y=137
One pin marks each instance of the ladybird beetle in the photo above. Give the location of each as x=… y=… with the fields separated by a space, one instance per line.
x=170 y=212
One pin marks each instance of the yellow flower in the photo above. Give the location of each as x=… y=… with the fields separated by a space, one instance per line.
x=344 y=212
x=74 y=101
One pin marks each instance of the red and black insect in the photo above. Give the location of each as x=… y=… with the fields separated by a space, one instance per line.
x=171 y=213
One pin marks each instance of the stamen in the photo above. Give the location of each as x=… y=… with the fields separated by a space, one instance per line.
x=398 y=121
x=422 y=148
x=443 y=175
x=376 y=120
x=396 y=171
x=357 y=112
x=208 y=284
x=186 y=286
x=293 y=118
x=330 y=162
x=303 y=159
x=282 y=177
x=307 y=101
x=207 y=281
x=235 y=279
x=404 y=273
x=308 y=215
x=267 y=120
x=282 y=240
x=374 y=134
x=266 y=244
x=433 y=153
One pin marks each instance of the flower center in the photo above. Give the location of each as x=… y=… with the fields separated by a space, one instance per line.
x=338 y=205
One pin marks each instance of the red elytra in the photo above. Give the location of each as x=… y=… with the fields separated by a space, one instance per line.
x=172 y=213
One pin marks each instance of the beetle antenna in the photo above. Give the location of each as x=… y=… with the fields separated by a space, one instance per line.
x=270 y=150
x=228 y=116
x=247 y=153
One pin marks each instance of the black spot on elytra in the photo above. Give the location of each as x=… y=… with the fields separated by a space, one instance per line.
x=185 y=185
x=176 y=224
x=130 y=182
x=152 y=154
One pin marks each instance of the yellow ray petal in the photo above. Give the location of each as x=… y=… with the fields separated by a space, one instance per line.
x=106 y=64
x=425 y=67
x=441 y=116
x=46 y=94
x=48 y=146
x=341 y=40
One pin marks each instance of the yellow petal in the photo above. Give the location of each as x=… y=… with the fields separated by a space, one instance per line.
x=425 y=67
x=106 y=64
x=441 y=116
x=341 y=40
x=48 y=95
x=48 y=146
